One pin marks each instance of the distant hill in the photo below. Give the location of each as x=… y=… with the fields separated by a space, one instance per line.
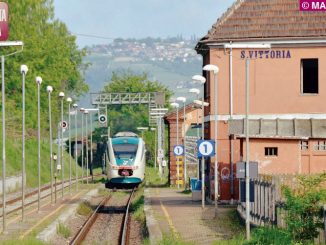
x=171 y=61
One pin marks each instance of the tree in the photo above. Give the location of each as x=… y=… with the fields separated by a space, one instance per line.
x=50 y=51
x=129 y=117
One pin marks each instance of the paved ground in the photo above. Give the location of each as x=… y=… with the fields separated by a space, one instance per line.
x=174 y=212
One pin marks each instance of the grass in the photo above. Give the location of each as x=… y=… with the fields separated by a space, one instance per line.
x=172 y=240
x=84 y=208
x=27 y=241
x=14 y=160
x=152 y=177
x=137 y=206
x=63 y=230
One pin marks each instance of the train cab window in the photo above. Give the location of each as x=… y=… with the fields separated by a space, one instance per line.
x=126 y=151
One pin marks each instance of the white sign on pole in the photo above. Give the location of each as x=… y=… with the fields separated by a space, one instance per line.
x=160 y=153
x=206 y=148
x=178 y=150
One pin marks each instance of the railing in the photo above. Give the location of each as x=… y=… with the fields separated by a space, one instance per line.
x=267 y=208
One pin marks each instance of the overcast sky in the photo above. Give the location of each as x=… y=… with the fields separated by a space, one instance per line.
x=138 y=18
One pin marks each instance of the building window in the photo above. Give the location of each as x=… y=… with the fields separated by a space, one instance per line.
x=309 y=76
x=320 y=146
x=271 y=151
x=304 y=145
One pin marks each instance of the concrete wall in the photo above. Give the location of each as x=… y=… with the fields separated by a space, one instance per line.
x=13 y=183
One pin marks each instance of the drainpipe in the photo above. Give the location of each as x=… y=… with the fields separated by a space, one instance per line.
x=231 y=114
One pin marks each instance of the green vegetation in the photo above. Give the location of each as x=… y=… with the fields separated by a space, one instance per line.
x=50 y=51
x=63 y=230
x=84 y=208
x=152 y=177
x=303 y=206
x=14 y=160
x=26 y=241
x=137 y=206
x=170 y=239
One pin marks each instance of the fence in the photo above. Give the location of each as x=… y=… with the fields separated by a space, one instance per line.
x=266 y=210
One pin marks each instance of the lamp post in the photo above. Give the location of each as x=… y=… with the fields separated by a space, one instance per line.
x=55 y=177
x=202 y=80
x=176 y=105
x=82 y=143
x=23 y=71
x=69 y=100
x=61 y=96
x=86 y=130
x=75 y=106
x=49 y=89
x=183 y=100
x=196 y=92
x=38 y=82
x=215 y=70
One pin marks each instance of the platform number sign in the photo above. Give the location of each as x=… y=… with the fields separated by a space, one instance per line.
x=178 y=150
x=206 y=148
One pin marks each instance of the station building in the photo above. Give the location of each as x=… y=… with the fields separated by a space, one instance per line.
x=286 y=49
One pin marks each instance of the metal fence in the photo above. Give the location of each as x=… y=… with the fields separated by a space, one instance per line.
x=266 y=210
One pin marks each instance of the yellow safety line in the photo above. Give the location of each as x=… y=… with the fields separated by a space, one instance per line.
x=44 y=218
x=176 y=234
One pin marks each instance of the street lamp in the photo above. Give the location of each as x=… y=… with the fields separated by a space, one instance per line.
x=176 y=105
x=142 y=129
x=183 y=100
x=69 y=100
x=61 y=96
x=82 y=143
x=196 y=91
x=23 y=71
x=38 y=82
x=215 y=70
x=200 y=79
x=90 y=110
x=75 y=106
x=86 y=130
x=49 y=90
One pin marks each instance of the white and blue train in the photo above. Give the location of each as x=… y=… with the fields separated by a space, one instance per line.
x=126 y=160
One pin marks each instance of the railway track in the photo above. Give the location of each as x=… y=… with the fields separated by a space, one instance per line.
x=105 y=220
x=16 y=200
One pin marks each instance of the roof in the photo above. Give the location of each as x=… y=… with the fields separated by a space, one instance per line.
x=172 y=115
x=253 y=20
x=280 y=128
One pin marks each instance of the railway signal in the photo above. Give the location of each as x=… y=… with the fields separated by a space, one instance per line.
x=102 y=119
x=64 y=124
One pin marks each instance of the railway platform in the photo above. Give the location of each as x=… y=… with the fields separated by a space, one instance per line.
x=170 y=212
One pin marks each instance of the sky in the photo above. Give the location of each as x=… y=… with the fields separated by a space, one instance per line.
x=138 y=18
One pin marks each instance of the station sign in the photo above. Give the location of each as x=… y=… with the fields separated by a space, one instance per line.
x=4 y=21
x=178 y=150
x=206 y=148
x=241 y=170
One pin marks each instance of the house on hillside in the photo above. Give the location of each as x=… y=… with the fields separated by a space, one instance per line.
x=286 y=53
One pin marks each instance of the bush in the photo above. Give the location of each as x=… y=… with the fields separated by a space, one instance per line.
x=303 y=206
x=84 y=208
x=270 y=236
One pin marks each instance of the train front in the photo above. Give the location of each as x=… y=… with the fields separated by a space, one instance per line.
x=126 y=163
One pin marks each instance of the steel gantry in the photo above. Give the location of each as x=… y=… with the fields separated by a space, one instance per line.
x=153 y=99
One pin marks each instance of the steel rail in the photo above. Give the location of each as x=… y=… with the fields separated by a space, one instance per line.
x=31 y=193
x=81 y=234
x=124 y=240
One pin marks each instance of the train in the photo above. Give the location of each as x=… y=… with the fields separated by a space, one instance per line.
x=126 y=160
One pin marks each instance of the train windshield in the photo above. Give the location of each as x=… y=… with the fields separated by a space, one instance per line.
x=125 y=151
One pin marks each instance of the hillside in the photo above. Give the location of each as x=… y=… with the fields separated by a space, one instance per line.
x=170 y=61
